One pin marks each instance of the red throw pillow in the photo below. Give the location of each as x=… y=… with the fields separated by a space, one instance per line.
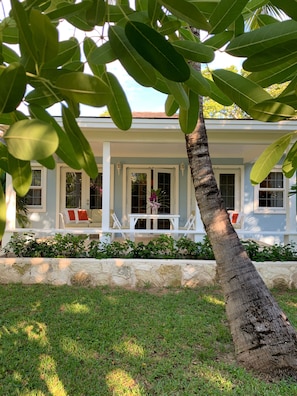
x=234 y=218
x=71 y=214
x=82 y=215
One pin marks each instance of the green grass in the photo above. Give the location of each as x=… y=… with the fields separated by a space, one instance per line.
x=98 y=341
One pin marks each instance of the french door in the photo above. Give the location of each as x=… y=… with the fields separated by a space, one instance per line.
x=140 y=183
x=78 y=190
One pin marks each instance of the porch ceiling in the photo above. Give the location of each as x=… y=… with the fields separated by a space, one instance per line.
x=246 y=152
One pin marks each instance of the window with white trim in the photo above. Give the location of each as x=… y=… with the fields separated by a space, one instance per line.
x=35 y=198
x=270 y=193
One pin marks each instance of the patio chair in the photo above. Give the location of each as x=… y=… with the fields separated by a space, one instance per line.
x=190 y=224
x=117 y=224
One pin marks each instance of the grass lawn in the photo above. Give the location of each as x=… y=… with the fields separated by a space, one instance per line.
x=99 y=341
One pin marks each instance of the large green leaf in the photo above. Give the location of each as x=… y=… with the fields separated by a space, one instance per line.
x=179 y=93
x=3 y=157
x=290 y=163
x=171 y=106
x=2 y=211
x=268 y=36
x=271 y=111
x=12 y=87
x=156 y=50
x=226 y=13
x=188 y=117
x=21 y=174
x=135 y=65
x=285 y=53
x=45 y=36
x=44 y=96
x=196 y=52
x=169 y=27
x=154 y=11
x=217 y=95
x=89 y=47
x=219 y=40
x=188 y=12
x=25 y=34
x=275 y=75
x=288 y=6
x=9 y=55
x=84 y=153
x=102 y=54
x=241 y=91
x=31 y=140
x=84 y=88
x=96 y=13
x=66 y=10
x=65 y=149
x=10 y=34
x=118 y=107
x=269 y=158
x=48 y=162
x=198 y=83
x=65 y=52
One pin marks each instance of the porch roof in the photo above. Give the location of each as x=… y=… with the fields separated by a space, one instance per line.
x=245 y=139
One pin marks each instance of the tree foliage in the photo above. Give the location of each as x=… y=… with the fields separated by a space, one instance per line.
x=154 y=43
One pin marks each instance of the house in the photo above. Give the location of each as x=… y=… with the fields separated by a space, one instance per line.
x=152 y=155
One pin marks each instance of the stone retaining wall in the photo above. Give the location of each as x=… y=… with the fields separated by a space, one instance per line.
x=132 y=273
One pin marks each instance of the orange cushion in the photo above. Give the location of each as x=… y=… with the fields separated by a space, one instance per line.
x=82 y=215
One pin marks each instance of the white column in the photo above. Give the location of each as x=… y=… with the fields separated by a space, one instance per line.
x=106 y=188
x=10 y=197
x=290 y=205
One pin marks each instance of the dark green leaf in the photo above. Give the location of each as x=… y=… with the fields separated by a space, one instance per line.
x=288 y=6
x=96 y=13
x=48 y=163
x=285 y=53
x=134 y=64
x=268 y=36
x=275 y=75
x=219 y=40
x=10 y=34
x=196 y=52
x=4 y=157
x=225 y=13
x=171 y=106
x=12 y=87
x=103 y=54
x=118 y=107
x=218 y=95
x=188 y=12
x=154 y=11
x=83 y=150
x=25 y=34
x=9 y=55
x=66 y=10
x=179 y=93
x=65 y=149
x=31 y=140
x=169 y=27
x=43 y=96
x=65 y=52
x=84 y=88
x=188 y=117
x=45 y=36
x=241 y=91
x=198 y=83
x=156 y=50
x=21 y=174
x=271 y=111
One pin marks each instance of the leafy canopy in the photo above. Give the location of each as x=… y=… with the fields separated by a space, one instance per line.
x=154 y=43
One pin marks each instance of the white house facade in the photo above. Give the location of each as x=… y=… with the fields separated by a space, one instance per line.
x=151 y=156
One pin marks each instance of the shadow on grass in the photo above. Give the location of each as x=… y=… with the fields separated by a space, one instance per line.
x=100 y=341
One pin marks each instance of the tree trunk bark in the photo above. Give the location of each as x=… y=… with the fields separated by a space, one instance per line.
x=264 y=339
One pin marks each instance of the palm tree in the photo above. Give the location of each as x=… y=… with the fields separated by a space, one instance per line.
x=264 y=339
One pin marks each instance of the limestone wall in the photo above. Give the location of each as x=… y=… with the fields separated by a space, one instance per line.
x=132 y=273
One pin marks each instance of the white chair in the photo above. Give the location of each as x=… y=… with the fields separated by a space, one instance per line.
x=117 y=224
x=190 y=224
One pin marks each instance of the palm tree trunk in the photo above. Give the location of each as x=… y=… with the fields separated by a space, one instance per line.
x=264 y=339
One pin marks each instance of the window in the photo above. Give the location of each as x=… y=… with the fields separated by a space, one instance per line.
x=270 y=193
x=35 y=198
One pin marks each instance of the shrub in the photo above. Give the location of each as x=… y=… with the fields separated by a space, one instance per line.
x=166 y=247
